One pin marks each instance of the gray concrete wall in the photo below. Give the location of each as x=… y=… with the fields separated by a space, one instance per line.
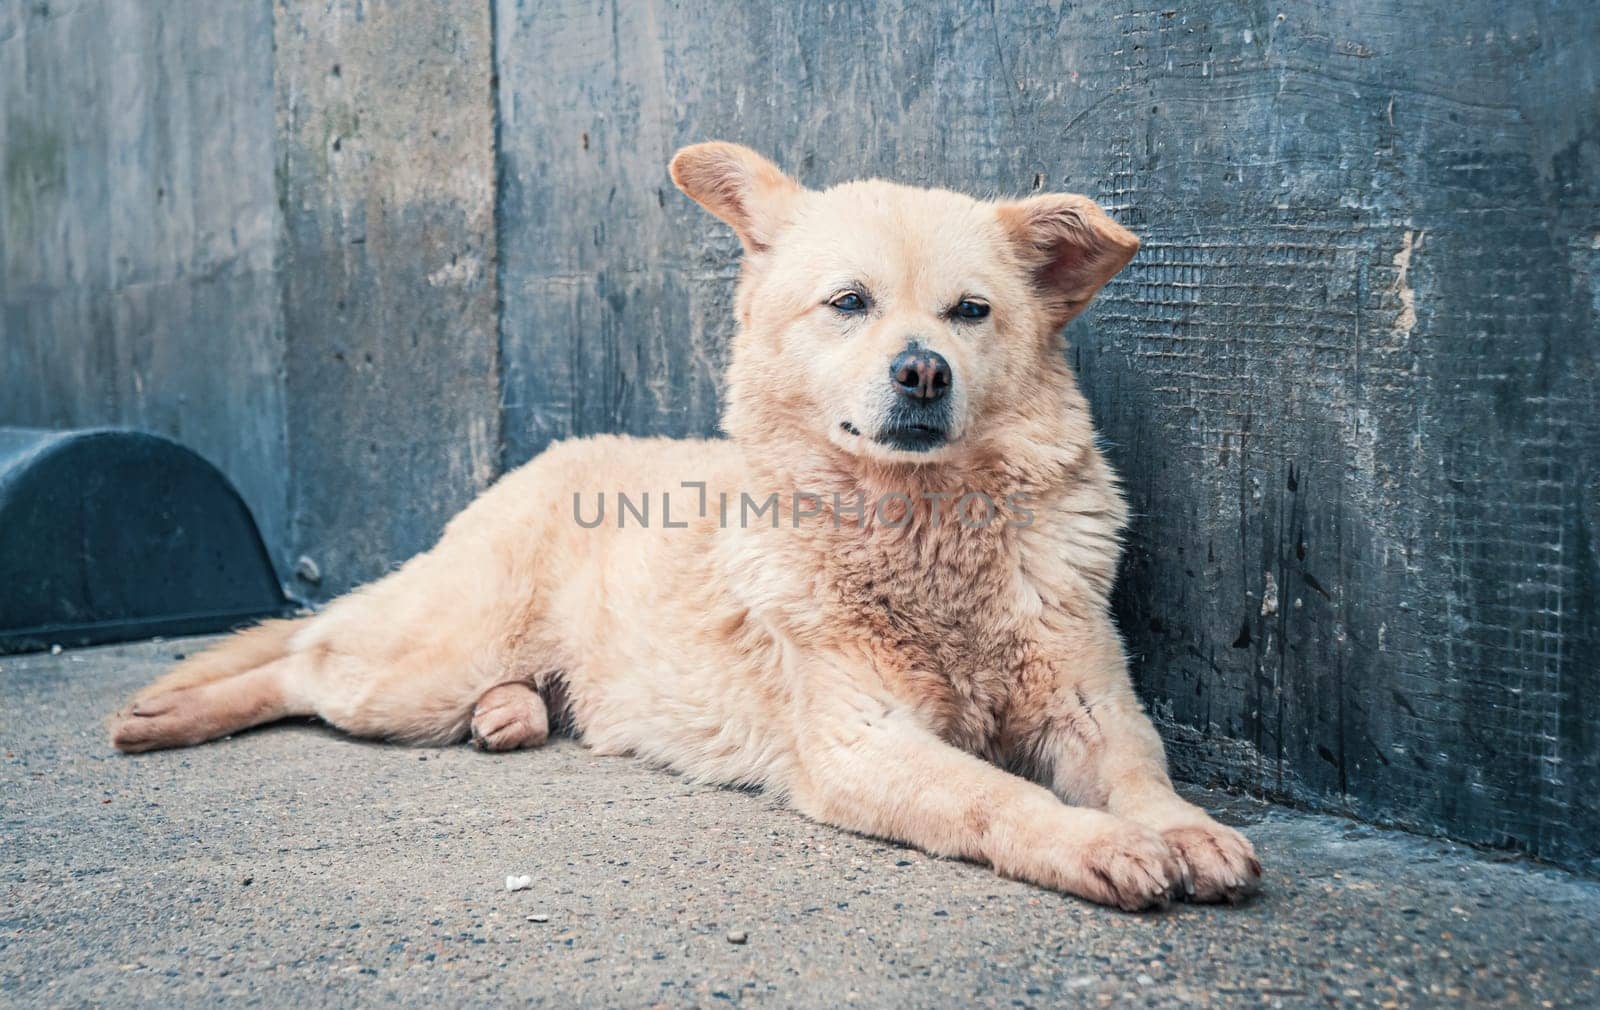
x=139 y=230
x=386 y=160
x=1350 y=379
x=266 y=230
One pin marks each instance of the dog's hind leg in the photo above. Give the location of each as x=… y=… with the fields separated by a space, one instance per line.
x=406 y=658
x=236 y=654
x=426 y=697
x=186 y=716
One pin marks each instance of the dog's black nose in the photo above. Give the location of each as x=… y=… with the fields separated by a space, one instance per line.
x=920 y=376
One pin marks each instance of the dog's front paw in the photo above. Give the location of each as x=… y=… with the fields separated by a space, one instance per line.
x=1128 y=866
x=1219 y=863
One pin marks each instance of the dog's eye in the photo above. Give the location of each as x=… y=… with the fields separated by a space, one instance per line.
x=969 y=308
x=848 y=302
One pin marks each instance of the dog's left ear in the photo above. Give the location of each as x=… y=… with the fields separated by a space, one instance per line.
x=738 y=185
x=1073 y=246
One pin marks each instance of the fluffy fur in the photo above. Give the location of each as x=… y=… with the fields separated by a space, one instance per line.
x=917 y=676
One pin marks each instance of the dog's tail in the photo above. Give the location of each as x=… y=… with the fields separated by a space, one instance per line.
x=238 y=653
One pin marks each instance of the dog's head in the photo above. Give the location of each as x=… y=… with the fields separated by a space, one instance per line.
x=896 y=323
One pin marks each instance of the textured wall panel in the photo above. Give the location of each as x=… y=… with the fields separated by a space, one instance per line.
x=1350 y=380
x=387 y=171
x=138 y=230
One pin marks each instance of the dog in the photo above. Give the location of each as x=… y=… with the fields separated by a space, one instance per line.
x=911 y=639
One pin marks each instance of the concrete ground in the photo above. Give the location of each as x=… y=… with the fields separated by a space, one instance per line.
x=293 y=867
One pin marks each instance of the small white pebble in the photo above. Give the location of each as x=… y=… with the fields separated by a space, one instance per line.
x=516 y=883
x=737 y=936
x=1145 y=980
x=538 y=917
x=55 y=650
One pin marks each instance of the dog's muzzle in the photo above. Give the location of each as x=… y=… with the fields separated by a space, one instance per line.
x=919 y=419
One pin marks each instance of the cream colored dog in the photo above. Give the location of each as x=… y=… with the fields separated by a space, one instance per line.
x=909 y=640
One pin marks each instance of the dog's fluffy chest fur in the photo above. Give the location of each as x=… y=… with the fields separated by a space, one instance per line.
x=938 y=611
x=949 y=612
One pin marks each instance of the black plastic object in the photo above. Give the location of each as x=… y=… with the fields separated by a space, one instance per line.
x=108 y=535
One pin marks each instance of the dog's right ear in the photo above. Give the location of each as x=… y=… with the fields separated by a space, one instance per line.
x=739 y=186
x=1073 y=246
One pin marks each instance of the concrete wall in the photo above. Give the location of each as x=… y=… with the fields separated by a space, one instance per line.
x=386 y=160
x=266 y=230
x=1350 y=380
x=139 y=230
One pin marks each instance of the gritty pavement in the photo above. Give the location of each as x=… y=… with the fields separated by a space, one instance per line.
x=292 y=867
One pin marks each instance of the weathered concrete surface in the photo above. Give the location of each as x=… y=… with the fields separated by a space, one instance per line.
x=138 y=230
x=293 y=867
x=282 y=257
x=386 y=137
x=1351 y=378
